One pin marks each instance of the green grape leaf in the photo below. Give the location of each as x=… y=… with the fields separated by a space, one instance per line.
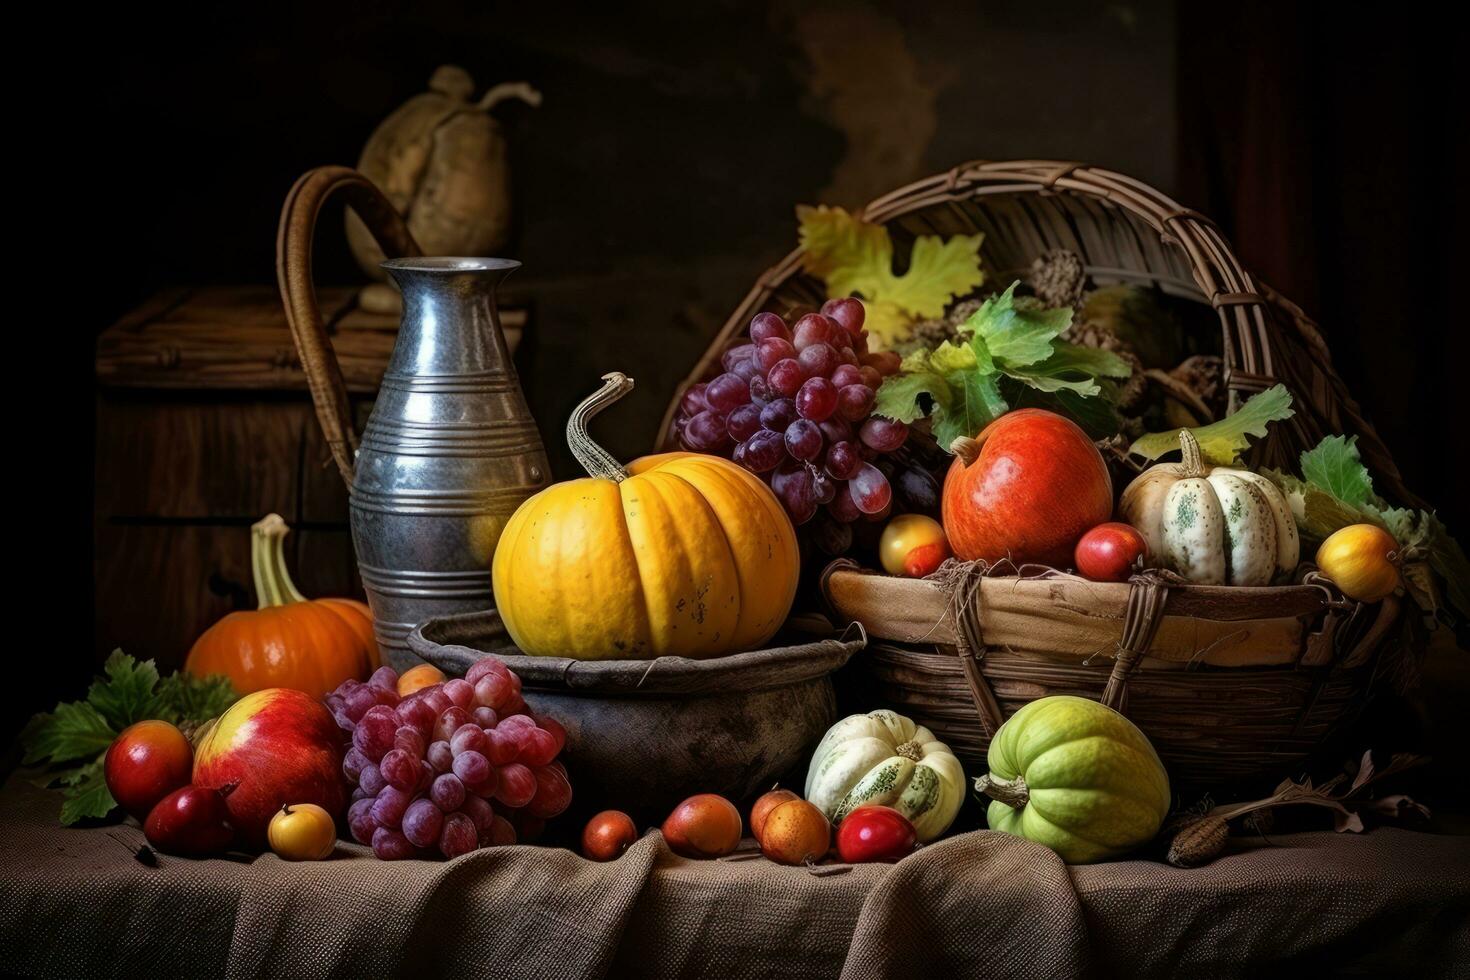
x=73 y=731
x=189 y=698
x=979 y=403
x=898 y=396
x=1222 y=442
x=126 y=694
x=85 y=794
x=1016 y=334
x=1335 y=466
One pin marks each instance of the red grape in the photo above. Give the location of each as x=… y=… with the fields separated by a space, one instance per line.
x=706 y=431
x=447 y=792
x=469 y=738
x=727 y=393
x=360 y=820
x=763 y=451
x=436 y=699
x=389 y=806
x=816 y=400
x=760 y=391
x=374 y=734
x=836 y=429
x=803 y=439
x=371 y=779
x=356 y=702
x=843 y=460
x=748 y=370
x=353 y=764
x=785 y=377
x=474 y=770
x=484 y=666
x=537 y=747
x=410 y=740
x=818 y=360
x=870 y=489
x=770 y=352
x=502 y=747
x=766 y=325
x=854 y=402
x=449 y=722
x=736 y=354
x=842 y=507
x=515 y=722
x=882 y=434
x=422 y=822
x=554 y=728
x=814 y=328
x=400 y=769
x=869 y=376
x=494 y=691
x=778 y=414
x=797 y=493
x=391 y=845
x=885 y=361
x=517 y=785
x=440 y=756
x=485 y=717
x=691 y=404
x=384 y=678
x=847 y=311
x=500 y=834
x=553 y=794
x=461 y=692
x=744 y=422
x=458 y=836
x=480 y=812
x=919 y=490
x=416 y=713
x=846 y=375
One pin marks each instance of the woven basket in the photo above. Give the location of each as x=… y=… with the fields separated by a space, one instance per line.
x=1230 y=683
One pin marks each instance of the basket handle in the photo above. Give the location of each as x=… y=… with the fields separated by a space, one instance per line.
x=293 y=275
x=1148 y=594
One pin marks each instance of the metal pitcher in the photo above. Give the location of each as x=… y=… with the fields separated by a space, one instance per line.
x=450 y=449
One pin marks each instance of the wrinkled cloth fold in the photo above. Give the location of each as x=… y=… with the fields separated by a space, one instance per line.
x=75 y=903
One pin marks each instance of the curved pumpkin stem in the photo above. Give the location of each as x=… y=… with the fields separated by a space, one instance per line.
x=1013 y=793
x=273 y=585
x=966 y=448
x=598 y=462
x=1194 y=463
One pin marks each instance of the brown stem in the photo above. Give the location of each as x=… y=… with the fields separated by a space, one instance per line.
x=1012 y=792
x=598 y=462
x=966 y=448
x=1193 y=464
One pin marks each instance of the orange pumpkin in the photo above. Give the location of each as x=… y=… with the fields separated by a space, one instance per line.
x=311 y=645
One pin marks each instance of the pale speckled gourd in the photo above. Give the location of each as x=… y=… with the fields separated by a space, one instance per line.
x=1213 y=525
x=1075 y=776
x=884 y=758
x=441 y=160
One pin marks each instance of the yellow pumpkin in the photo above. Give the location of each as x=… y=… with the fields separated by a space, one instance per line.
x=679 y=554
x=1362 y=560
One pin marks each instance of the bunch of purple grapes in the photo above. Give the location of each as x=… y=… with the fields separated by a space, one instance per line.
x=449 y=768
x=795 y=407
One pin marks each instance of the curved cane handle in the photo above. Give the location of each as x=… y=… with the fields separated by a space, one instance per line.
x=298 y=296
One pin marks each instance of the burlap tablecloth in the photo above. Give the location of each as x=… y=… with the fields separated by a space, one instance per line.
x=75 y=903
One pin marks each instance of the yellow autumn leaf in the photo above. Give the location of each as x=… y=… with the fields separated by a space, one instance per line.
x=855 y=257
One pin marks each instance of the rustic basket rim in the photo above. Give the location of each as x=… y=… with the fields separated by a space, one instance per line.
x=435 y=641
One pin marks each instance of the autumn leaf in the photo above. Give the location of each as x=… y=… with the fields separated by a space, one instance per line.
x=855 y=257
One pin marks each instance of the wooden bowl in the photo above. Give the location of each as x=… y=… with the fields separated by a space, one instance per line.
x=644 y=734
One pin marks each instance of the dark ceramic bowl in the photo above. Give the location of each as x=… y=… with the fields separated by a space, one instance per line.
x=644 y=734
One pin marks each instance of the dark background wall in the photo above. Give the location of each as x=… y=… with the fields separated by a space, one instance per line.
x=659 y=177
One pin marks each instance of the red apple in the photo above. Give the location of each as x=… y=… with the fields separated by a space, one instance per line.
x=279 y=746
x=875 y=833
x=1026 y=488
x=1109 y=552
x=145 y=763
x=191 y=821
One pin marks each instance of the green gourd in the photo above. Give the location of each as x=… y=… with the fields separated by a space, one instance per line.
x=1076 y=776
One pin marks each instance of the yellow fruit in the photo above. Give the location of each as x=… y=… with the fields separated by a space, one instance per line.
x=302 y=832
x=912 y=545
x=418 y=677
x=1360 y=559
x=681 y=553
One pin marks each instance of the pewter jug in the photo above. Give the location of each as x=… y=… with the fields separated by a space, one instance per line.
x=450 y=449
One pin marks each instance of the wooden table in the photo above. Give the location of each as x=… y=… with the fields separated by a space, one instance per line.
x=204 y=425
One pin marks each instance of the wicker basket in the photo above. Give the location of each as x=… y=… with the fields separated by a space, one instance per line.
x=1230 y=683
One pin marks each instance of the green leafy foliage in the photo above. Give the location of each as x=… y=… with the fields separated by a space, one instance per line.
x=1222 y=442
x=1007 y=347
x=128 y=691
x=1336 y=490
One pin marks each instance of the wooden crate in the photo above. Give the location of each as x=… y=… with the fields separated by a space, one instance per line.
x=204 y=425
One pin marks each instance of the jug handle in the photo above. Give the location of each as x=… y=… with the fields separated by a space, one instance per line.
x=298 y=296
